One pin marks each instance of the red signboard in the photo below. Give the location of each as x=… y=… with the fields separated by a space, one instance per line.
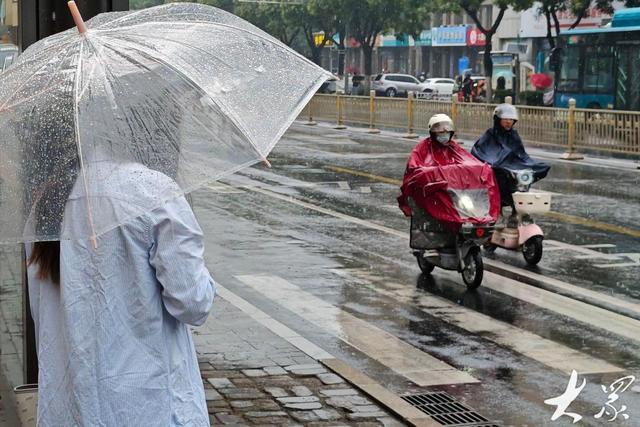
x=475 y=37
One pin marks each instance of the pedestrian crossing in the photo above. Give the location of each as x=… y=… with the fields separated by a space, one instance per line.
x=404 y=359
x=594 y=316
x=409 y=361
x=414 y=364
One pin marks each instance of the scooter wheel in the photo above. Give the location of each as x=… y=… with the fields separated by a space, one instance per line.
x=473 y=269
x=532 y=250
x=425 y=266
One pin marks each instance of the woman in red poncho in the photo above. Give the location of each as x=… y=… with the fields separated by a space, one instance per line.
x=447 y=182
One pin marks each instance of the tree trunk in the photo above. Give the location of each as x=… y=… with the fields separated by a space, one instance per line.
x=488 y=62
x=556 y=22
x=550 y=38
x=581 y=14
x=316 y=55
x=368 y=52
x=488 y=66
x=342 y=57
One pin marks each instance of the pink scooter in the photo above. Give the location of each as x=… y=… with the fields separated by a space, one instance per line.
x=519 y=232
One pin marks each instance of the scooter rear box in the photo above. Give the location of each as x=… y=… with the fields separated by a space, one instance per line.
x=529 y=203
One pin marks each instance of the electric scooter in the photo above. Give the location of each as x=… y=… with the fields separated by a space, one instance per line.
x=519 y=232
x=435 y=246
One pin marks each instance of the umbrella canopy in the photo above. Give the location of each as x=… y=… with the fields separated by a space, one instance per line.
x=540 y=80
x=185 y=90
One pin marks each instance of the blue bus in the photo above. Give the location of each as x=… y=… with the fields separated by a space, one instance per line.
x=600 y=67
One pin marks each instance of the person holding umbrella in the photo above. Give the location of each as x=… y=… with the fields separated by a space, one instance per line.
x=103 y=130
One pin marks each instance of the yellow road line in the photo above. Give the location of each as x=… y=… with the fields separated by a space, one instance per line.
x=364 y=174
x=571 y=219
x=594 y=224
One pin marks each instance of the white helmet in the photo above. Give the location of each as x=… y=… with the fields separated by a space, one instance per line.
x=506 y=111
x=440 y=123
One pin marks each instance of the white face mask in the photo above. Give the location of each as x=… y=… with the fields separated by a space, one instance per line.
x=443 y=139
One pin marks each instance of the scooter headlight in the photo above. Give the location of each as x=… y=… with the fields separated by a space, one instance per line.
x=465 y=203
x=524 y=177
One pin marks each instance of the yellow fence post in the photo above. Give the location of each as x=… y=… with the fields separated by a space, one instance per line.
x=570 y=154
x=339 y=124
x=310 y=122
x=372 y=112
x=410 y=101
x=454 y=110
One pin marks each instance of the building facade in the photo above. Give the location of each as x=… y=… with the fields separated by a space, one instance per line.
x=449 y=44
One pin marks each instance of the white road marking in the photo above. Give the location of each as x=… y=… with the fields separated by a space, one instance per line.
x=365 y=190
x=405 y=359
x=535 y=347
x=273 y=325
x=583 y=312
x=344 y=185
x=586 y=252
x=634 y=257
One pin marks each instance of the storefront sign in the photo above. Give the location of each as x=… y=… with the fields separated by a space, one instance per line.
x=393 y=41
x=424 y=39
x=475 y=37
x=449 y=36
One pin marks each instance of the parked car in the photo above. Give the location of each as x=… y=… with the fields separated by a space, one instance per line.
x=439 y=86
x=396 y=84
x=331 y=85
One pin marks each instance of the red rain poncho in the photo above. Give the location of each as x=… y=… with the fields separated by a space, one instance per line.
x=435 y=171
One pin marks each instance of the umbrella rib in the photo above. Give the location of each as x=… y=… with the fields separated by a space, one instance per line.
x=234 y=121
x=197 y=49
x=266 y=38
x=77 y=132
x=10 y=97
x=28 y=56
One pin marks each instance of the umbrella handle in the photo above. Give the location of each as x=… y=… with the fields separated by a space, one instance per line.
x=77 y=18
x=266 y=162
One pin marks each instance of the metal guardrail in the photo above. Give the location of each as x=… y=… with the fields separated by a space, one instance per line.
x=572 y=129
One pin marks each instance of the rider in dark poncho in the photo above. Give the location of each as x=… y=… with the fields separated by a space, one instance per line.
x=502 y=148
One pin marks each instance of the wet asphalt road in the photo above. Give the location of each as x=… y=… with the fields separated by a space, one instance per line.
x=322 y=226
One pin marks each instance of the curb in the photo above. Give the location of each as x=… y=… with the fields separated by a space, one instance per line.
x=377 y=392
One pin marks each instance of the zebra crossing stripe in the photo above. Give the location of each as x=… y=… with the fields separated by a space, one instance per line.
x=533 y=346
x=399 y=356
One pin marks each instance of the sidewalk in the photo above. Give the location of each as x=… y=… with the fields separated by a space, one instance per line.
x=253 y=376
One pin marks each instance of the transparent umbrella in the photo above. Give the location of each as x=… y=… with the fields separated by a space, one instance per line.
x=137 y=108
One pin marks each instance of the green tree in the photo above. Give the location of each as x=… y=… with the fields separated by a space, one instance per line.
x=472 y=8
x=367 y=19
x=321 y=16
x=280 y=20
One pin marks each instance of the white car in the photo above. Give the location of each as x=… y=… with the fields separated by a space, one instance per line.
x=439 y=86
x=396 y=84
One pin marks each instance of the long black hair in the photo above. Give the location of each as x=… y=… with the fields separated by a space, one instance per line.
x=51 y=169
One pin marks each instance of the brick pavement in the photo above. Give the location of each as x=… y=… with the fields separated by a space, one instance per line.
x=254 y=377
